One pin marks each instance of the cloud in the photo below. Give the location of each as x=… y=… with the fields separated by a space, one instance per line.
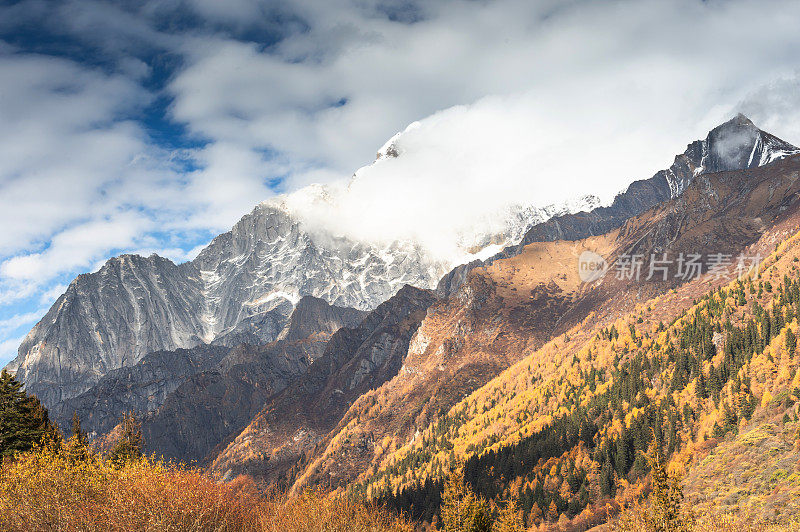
x=774 y=105
x=559 y=100
x=8 y=348
x=150 y=126
x=75 y=247
x=14 y=322
x=49 y=296
x=11 y=326
x=61 y=143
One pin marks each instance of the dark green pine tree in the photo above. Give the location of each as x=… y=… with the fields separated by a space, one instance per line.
x=129 y=446
x=77 y=432
x=791 y=342
x=78 y=444
x=608 y=486
x=700 y=388
x=621 y=460
x=23 y=419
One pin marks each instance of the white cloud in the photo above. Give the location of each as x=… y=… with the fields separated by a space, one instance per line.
x=562 y=100
x=18 y=320
x=10 y=327
x=517 y=100
x=8 y=349
x=77 y=246
x=59 y=144
x=49 y=296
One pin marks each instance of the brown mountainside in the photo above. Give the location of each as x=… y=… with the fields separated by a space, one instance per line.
x=297 y=420
x=508 y=310
x=621 y=372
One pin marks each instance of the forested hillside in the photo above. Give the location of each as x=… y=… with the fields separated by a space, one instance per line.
x=705 y=374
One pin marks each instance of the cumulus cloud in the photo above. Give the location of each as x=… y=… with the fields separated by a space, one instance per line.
x=560 y=100
x=8 y=340
x=59 y=144
x=20 y=319
x=150 y=126
x=76 y=247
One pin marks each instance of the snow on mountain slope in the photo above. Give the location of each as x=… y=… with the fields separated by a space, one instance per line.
x=241 y=287
x=735 y=145
x=328 y=241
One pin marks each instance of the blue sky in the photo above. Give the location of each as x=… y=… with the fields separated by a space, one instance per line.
x=143 y=126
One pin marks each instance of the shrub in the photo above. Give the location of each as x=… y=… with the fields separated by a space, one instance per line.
x=48 y=488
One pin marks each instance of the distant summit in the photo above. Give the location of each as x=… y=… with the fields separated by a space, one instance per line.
x=736 y=145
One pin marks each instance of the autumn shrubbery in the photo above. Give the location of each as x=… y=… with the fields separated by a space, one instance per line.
x=51 y=487
x=639 y=519
x=66 y=485
x=664 y=511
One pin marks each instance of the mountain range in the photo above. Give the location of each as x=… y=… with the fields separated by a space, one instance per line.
x=306 y=358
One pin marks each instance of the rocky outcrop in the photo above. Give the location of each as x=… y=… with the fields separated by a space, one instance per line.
x=192 y=377
x=212 y=406
x=734 y=145
x=140 y=388
x=106 y=320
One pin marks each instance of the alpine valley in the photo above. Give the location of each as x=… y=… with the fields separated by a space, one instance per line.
x=302 y=357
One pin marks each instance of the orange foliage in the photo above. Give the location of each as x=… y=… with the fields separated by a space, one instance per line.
x=47 y=489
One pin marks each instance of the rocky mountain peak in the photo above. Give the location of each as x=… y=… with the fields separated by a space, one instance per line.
x=241 y=288
x=244 y=285
x=736 y=145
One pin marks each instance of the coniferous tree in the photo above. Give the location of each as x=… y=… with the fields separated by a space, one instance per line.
x=700 y=387
x=791 y=342
x=23 y=419
x=666 y=513
x=509 y=519
x=552 y=511
x=130 y=444
x=607 y=485
x=621 y=460
x=78 y=444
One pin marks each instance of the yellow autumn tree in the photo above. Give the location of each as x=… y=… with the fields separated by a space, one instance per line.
x=509 y=519
x=462 y=510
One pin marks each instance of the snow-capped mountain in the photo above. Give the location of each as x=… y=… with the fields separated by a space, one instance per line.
x=735 y=145
x=242 y=287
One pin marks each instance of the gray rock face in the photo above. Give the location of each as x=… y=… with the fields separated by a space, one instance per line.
x=240 y=289
x=738 y=145
x=314 y=316
x=355 y=360
x=208 y=406
x=166 y=385
x=140 y=388
x=268 y=259
x=213 y=405
x=106 y=320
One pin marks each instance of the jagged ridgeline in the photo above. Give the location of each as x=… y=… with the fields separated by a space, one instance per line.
x=303 y=361
x=242 y=287
x=565 y=431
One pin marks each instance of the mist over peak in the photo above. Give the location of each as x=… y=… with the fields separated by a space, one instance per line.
x=470 y=180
